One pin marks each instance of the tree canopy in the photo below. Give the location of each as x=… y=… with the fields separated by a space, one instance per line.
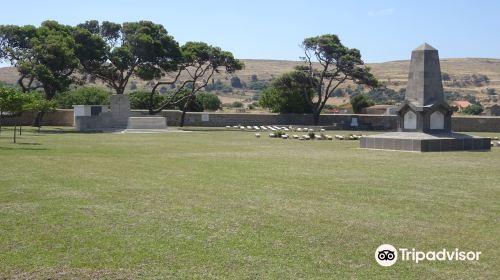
x=51 y=56
x=337 y=64
x=289 y=93
x=15 y=102
x=114 y=53
x=199 y=62
x=45 y=56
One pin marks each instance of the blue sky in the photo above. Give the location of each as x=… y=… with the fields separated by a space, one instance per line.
x=382 y=30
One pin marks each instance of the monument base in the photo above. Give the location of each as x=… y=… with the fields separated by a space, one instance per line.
x=120 y=110
x=147 y=123
x=423 y=142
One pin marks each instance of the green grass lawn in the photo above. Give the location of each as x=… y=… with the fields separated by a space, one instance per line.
x=226 y=205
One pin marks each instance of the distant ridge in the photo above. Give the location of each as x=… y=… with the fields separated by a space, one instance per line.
x=393 y=73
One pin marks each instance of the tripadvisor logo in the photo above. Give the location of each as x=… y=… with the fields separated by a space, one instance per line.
x=387 y=255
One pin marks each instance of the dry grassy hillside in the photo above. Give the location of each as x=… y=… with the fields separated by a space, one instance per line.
x=393 y=73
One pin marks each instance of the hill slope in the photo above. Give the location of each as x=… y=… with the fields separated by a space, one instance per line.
x=393 y=73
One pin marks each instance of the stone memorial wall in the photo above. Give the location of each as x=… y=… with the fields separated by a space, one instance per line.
x=64 y=117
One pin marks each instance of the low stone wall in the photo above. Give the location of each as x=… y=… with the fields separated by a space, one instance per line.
x=213 y=119
x=476 y=123
x=61 y=117
x=333 y=121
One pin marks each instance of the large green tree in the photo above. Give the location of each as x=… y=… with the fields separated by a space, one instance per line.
x=289 y=93
x=336 y=65
x=199 y=62
x=113 y=53
x=44 y=56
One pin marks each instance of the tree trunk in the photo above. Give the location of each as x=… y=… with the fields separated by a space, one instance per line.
x=0 y=122
x=120 y=90
x=150 y=104
x=184 y=109
x=315 y=116
x=21 y=128
x=38 y=119
x=15 y=130
x=49 y=95
x=182 y=117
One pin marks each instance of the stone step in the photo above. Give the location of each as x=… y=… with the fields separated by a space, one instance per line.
x=147 y=123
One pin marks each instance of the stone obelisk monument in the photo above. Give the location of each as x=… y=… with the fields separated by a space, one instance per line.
x=425 y=117
x=424 y=108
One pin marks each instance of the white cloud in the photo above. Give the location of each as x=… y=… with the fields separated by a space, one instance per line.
x=382 y=12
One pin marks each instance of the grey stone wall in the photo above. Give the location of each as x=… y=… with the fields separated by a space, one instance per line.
x=61 y=117
x=332 y=121
x=476 y=123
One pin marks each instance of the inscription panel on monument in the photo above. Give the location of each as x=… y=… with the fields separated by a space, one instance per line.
x=410 y=120
x=437 y=120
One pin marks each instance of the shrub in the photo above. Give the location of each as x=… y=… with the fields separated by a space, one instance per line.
x=491 y=91
x=359 y=102
x=311 y=134
x=471 y=98
x=180 y=100
x=215 y=85
x=386 y=95
x=236 y=82
x=338 y=93
x=164 y=90
x=258 y=85
x=474 y=109
x=209 y=101
x=451 y=96
x=445 y=76
x=82 y=96
x=237 y=104
x=226 y=89
x=140 y=100
x=195 y=106
x=467 y=80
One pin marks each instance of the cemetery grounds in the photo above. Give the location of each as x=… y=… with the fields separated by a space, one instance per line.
x=228 y=205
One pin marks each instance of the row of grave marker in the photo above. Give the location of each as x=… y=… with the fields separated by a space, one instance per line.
x=272 y=128
x=316 y=136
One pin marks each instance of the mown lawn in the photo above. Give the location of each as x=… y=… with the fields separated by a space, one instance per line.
x=226 y=205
